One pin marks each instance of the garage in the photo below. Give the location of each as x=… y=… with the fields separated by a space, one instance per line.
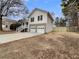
x=37 y=28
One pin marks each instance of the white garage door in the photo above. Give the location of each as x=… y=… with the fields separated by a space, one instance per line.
x=32 y=30
x=41 y=30
x=37 y=28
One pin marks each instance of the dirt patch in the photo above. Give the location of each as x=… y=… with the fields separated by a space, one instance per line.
x=6 y=32
x=47 y=46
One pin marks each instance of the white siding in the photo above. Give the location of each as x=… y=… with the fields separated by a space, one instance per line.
x=6 y=28
x=49 y=26
x=35 y=15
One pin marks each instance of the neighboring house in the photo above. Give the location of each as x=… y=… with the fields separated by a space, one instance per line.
x=40 y=21
x=6 y=24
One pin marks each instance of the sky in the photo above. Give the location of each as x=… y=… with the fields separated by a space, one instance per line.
x=49 y=5
x=53 y=6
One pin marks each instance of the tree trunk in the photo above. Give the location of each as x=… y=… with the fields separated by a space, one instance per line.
x=0 y=23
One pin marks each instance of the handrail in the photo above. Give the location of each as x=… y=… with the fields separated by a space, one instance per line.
x=20 y=28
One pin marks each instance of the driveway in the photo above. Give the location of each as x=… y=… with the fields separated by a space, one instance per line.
x=15 y=36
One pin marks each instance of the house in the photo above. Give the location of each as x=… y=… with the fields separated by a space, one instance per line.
x=6 y=23
x=39 y=21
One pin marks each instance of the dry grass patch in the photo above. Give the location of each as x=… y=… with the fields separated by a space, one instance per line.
x=47 y=46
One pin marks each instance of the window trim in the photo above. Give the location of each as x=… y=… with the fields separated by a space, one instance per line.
x=40 y=18
x=32 y=19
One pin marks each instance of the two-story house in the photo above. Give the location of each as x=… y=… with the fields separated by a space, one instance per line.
x=40 y=21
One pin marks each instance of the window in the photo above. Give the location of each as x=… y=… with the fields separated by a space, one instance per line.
x=32 y=19
x=40 y=18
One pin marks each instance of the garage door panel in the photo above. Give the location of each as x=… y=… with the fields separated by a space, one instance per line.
x=37 y=28
x=40 y=30
x=32 y=30
x=41 y=27
x=32 y=26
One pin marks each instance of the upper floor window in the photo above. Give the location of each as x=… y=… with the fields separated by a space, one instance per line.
x=40 y=18
x=32 y=19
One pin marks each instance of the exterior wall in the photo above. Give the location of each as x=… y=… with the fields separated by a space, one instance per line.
x=35 y=15
x=49 y=25
x=6 y=26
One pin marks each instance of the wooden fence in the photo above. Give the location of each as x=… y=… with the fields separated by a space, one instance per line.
x=65 y=29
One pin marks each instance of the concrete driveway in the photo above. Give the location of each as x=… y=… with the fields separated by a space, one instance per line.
x=15 y=36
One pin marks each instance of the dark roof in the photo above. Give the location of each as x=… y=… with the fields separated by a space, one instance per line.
x=48 y=13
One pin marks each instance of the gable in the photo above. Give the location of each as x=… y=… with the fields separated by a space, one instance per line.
x=36 y=12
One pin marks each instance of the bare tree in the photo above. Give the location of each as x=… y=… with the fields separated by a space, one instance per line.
x=5 y=8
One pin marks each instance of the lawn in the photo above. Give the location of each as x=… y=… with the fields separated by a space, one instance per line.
x=55 y=45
